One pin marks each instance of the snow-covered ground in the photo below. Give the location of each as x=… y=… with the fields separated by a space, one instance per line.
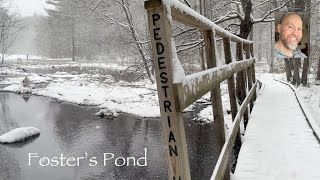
x=21 y=56
x=310 y=94
x=137 y=98
x=86 y=89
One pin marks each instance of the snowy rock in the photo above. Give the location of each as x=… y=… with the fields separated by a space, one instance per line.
x=19 y=134
x=107 y=113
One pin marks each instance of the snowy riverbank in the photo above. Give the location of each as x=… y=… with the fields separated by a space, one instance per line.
x=137 y=98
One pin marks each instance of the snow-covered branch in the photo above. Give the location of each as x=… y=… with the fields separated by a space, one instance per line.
x=260 y=4
x=230 y=15
x=106 y=16
x=266 y=15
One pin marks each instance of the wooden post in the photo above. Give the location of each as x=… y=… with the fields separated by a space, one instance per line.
x=241 y=86
x=217 y=109
x=171 y=116
x=249 y=72
x=231 y=88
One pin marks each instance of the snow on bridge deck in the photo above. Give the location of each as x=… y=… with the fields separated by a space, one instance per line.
x=278 y=144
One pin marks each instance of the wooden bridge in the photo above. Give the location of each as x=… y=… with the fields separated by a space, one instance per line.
x=177 y=91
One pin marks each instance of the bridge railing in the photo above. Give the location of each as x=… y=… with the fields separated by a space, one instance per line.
x=177 y=91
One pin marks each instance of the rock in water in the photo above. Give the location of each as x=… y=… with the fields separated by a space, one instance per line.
x=26 y=82
x=19 y=134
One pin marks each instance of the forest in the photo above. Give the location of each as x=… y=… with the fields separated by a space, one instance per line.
x=116 y=30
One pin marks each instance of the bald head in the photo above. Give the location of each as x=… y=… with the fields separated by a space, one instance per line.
x=290 y=29
x=291 y=17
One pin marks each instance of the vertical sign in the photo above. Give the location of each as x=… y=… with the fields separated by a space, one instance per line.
x=171 y=116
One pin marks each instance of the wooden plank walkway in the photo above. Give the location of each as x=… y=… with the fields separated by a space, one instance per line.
x=278 y=143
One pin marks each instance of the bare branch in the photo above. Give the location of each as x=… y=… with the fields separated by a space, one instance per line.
x=233 y=24
x=187 y=3
x=312 y=6
x=185 y=31
x=260 y=4
x=190 y=47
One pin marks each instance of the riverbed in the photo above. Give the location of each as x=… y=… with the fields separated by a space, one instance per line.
x=72 y=131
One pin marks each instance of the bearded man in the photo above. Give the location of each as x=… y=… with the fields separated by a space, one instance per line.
x=290 y=34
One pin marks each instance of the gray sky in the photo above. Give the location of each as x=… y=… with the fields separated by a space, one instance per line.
x=29 y=7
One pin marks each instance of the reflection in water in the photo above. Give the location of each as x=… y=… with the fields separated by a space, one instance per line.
x=69 y=130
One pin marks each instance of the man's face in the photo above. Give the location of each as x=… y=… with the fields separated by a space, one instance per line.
x=290 y=31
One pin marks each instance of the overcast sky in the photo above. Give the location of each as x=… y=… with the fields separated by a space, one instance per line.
x=29 y=7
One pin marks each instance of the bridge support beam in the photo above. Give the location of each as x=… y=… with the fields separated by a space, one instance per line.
x=217 y=109
x=232 y=95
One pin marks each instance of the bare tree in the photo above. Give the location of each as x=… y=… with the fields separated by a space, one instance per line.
x=127 y=23
x=318 y=71
x=10 y=26
x=64 y=17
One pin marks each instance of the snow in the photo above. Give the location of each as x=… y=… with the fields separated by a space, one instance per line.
x=79 y=64
x=139 y=98
x=19 y=134
x=137 y=101
x=278 y=143
x=177 y=69
x=313 y=123
x=309 y=96
x=206 y=114
x=21 y=56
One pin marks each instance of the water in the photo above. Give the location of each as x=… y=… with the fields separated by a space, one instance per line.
x=73 y=131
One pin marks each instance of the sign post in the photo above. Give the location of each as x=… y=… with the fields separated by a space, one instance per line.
x=159 y=21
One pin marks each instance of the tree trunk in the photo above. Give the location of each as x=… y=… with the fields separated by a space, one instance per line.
x=204 y=9
x=203 y=67
x=246 y=24
x=318 y=73
x=201 y=52
x=3 y=50
x=271 y=65
x=73 y=46
x=304 y=78
x=2 y=58
x=288 y=69
x=260 y=47
x=296 y=77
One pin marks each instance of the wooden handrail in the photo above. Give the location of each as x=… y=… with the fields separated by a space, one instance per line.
x=223 y=160
x=196 y=85
x=188 y=16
